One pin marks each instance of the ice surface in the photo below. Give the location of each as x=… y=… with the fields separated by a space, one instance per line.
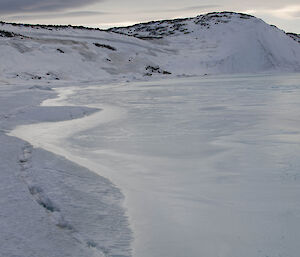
x=209 y=166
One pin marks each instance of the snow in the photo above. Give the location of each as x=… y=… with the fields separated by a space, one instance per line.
x=49 y=206
x=207 y=44
x=208 y=166
x=129 y=150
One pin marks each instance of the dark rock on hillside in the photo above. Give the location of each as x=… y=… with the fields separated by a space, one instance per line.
x=105 y=46
x=155 y=69
x=294 y=36
x=159 y=29
x=4 y=33
x=48 y=27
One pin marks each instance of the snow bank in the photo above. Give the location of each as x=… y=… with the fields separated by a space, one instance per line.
x=51 y=207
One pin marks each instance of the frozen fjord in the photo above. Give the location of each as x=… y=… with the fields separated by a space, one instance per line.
x=208 y=166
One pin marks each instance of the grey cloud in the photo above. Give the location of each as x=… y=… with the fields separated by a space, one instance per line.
x=296 y=14
x=57 y=15
x=190 y=8
x=37 y=6
x=199 y=7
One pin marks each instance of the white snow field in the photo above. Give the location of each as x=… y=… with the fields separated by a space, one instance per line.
x=209 y=166
x=150 y=140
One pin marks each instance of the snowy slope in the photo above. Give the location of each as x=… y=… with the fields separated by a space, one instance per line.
x=70 y=54
x=223 y=43
x=207 y=44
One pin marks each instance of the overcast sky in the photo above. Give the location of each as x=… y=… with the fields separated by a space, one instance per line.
x=107 y=13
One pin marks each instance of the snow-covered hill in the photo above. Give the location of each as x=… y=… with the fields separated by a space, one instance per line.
x=214 y=43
